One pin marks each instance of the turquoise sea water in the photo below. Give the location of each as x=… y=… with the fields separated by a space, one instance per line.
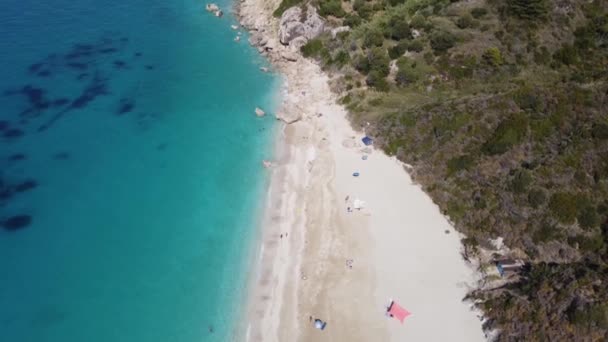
x=127 y=136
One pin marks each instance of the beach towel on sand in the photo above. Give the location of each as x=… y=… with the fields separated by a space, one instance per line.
x=395 y=310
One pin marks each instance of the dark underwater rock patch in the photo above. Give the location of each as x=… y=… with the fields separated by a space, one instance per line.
x=13 y=133
x=125 y=106
x=78 y=65
x=118 y=64
x=60 y=102
x=61 y=156
x=149 y=67
x=17 y=157
x=26 y=185
x=4 y=125
x=17 y=222
x=108 y=50
x=97 y=87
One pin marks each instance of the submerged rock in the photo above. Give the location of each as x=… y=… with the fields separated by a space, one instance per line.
x=215 y=9
x=17 y=222
x=212 y=8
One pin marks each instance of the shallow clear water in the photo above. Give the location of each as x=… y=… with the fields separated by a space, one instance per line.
x=138 y=130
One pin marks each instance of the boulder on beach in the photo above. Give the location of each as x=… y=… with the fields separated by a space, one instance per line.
x=289 y=116
x=289 y=56
x=294 y=24
x=259 y=112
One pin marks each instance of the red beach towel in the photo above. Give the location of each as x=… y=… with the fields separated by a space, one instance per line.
x=398 y=312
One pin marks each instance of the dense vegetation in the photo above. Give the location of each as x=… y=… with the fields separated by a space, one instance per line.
x=501 y=107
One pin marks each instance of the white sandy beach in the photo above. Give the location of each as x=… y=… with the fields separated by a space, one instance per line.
x=399 y=244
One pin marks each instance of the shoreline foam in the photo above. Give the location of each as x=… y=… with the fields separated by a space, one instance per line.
x=397 y=245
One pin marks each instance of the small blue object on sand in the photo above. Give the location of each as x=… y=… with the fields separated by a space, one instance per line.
x=367 y=140
x=356 y=174
x=364 y=157
x=319 y=324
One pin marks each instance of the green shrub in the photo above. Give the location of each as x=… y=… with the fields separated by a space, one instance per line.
x=528 y=99
x=379 y=61
x=508 y=133
x=566 y=55
x=493 y=57
x=599 y=131
x=593 y=314
x=397 y=50
x=478 y=12
x=284 y=6
x=465 y=21
x=373 y=37
x=405 y=77
x=415 y=45
x=342 y=58
x=563 y=205
x=546 y=233
x=364 y=10
x=352 y=20
x=588 y=218
x=536 y=198
x=312 y=48
x=528 y=9
x=361 y=63
x=543 y=56
x=459 y=163
x=331 y=7
x=395 y=2
x=418 y=22
x=520 y=182
x=398 y=28
x=376 y=80
x=442 y=41
x=588 y=244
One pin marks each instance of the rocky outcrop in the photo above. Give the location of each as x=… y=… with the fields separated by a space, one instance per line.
x=296 y=24
x=289 y=56
x=215 y=9
x=289 y=116
x=212 y=8
x=334 y=32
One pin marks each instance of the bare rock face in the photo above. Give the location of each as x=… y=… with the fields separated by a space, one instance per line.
x=334 y=32
x=297 y=43
x=289 y=117
x=296 y=24
x=289 y=56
